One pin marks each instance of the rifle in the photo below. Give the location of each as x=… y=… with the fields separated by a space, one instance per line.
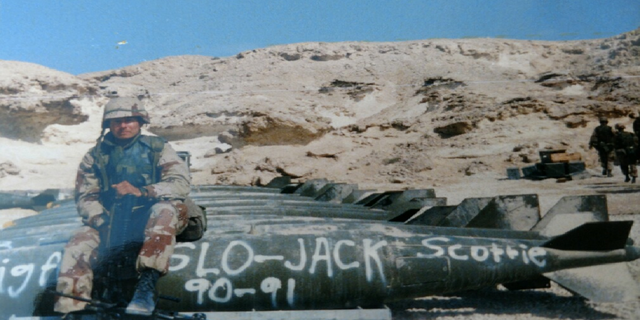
x=605 y=147
x=121 y=241
x=97 y=304
x=113 y=312
x=124 y=234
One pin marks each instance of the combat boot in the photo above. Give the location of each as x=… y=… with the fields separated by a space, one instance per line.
x=609 y=173
x=633 y=180
x=143 y=302
x=627 y=179
x=604 y=172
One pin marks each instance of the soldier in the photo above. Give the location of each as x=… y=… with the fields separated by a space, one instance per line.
x=626 y=144
x=125 y=164
x=602 y=140
x=636 y=125
x=636 y=130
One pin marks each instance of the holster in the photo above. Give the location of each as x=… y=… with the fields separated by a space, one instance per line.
x=197 y=224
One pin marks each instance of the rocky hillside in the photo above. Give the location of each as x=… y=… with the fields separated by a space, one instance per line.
x=446 y=114
x=418 y=113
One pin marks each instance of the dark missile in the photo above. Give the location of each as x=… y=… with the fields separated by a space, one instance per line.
x=339 y=256
x=39 y=202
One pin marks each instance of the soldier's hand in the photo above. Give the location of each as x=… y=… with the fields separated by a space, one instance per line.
x=590 y=147
x=124 y=188
x=103 y=228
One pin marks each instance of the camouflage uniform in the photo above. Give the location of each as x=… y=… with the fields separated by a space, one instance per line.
x=602 y=140
x=626 y=145
x=636 y=130
x=167 y=218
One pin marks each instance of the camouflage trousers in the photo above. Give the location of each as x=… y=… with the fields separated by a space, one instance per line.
x=75 y=277
x=627 y=164
x=606 y=159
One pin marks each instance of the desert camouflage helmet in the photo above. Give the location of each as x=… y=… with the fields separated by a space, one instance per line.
x=603 y=119
x=122 y=107
x=620 y=126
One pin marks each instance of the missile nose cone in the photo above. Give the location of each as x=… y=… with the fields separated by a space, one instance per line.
x=633 y=253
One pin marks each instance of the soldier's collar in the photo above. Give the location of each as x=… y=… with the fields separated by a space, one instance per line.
x=112 y=141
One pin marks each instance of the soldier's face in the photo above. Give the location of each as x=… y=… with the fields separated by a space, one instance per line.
x=124 y=128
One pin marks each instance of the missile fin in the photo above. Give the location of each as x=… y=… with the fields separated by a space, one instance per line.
x=465 y=212
x=593 y=236
x=510 y=212
x=603 y=283
x=572 y=211
x=279 y=182
x=41 y=201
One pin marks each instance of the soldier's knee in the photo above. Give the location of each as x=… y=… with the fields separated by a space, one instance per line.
x=163 y=208
x=85 y=235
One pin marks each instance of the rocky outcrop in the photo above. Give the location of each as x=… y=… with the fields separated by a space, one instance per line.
x=409 y=112
x=8 y=168
x=33 y=97
x=310 y=88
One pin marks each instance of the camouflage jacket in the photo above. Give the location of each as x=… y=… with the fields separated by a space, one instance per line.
x=173 y=181
x=602 y=138
x=626 y=141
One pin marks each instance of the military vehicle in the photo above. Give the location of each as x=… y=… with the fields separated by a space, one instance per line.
x=321 y=245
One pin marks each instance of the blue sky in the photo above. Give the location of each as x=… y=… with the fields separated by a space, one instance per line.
x=79 y=36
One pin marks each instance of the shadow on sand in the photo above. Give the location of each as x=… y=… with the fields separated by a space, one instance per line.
x=494 y=303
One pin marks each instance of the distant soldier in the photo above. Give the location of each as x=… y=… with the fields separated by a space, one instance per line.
x=636 y=130
x=626 y=144
x=602 y=140
x=636 y=125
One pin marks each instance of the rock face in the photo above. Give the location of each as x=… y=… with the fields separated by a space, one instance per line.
x=406 y=112
x=308 y=89
x=33 y=97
